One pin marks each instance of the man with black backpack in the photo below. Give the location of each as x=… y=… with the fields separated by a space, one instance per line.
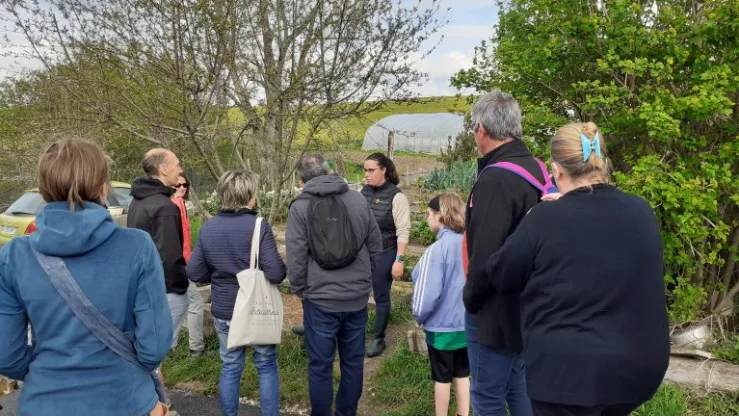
x=332 y=244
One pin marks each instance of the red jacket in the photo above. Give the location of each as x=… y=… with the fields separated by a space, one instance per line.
x=186 y=238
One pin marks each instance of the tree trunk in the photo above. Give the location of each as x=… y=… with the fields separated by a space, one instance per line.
x=729 y=272
x=198 y=204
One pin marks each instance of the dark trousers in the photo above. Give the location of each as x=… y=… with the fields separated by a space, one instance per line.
x=323 y=331
x=497 y=379
x=553 y=409
x=382 y=279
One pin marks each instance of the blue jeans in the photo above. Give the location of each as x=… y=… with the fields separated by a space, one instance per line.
x=265 y=360
x=498 y=377
x=323 y=330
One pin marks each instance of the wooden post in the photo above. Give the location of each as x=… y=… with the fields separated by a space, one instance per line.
x=390 y=145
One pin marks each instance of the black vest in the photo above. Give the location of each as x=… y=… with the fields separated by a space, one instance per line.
x=380 y=200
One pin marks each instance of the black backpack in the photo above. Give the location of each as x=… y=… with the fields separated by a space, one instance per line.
x=331 y=238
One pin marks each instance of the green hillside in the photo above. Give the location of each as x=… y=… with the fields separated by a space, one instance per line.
x=350 y=130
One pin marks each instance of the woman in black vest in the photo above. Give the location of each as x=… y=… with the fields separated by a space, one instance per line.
x=392 y=213
x=590 y=274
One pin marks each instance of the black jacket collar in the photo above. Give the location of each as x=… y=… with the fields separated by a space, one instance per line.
x=147 y=186
x=516 y=148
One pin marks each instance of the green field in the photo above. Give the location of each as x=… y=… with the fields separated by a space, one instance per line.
x=350 y=130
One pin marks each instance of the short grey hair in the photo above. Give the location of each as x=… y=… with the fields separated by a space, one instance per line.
x=499 y=115
x=311 y=166
x=235 y=189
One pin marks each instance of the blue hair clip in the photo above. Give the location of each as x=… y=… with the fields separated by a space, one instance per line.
x=589 y=146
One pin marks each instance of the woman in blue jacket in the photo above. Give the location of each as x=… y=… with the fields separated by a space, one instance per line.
x=438 y=280
x=67 y=370
x=222 y=251
x=589 y=271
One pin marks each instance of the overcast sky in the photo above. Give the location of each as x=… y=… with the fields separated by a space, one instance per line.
x=470 y=21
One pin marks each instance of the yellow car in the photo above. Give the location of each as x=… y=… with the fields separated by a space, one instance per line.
x=19 y=218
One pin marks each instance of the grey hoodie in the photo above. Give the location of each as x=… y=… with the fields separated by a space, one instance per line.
x=342 y=290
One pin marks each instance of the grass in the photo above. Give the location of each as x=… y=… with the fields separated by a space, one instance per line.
x=403 y=387
x=675 y=400
x=353 y=172
x=400 y=312
x=728 y=350
x=291 y=358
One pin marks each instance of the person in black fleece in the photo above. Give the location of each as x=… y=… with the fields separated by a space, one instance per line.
x=589 y=271
x=498 y=202
x=153 y=211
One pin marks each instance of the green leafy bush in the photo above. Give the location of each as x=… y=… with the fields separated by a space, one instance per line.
x=196 y=223
x=729 y=351
x=463 y=148
x=458 y=175
x=662 y=84
x=211 y=205
x=689 y=197
x=421 y=234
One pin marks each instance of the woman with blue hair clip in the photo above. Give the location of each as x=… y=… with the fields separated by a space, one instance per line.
x=589 y=270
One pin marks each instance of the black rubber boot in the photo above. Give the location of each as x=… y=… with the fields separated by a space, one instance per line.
x=377 y=346
x=299 y=330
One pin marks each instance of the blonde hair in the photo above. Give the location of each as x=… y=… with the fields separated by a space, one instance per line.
x=567 y=150
x=235 y=189
x=452 y=211
x=73 y=170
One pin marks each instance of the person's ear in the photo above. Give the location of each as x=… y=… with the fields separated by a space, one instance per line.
x=556 y=171
x=104 y=194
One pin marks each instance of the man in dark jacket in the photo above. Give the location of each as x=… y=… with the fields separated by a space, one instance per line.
x=497 y=203
x=334 y=300
x=152 y=210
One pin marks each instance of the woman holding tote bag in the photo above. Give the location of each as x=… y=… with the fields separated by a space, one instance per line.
x=223 y=251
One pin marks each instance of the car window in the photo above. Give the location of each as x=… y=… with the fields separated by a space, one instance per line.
x=30 y=204
x=123 y=194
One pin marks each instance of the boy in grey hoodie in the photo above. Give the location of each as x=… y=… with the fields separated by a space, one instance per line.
x=334 y=301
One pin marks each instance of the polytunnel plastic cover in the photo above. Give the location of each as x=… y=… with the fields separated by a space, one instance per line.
x=422 y=132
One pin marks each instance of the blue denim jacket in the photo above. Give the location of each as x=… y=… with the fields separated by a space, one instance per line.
x=438 y=280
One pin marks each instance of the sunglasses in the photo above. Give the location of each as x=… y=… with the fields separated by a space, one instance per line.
x=182 y=185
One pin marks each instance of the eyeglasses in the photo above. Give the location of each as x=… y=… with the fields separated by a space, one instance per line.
x=185 y=185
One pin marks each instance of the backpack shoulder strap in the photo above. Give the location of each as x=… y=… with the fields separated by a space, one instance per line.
x=545 y=188
x=98 y=324
x=521 y=172
x=549 y=186
x=301 y=196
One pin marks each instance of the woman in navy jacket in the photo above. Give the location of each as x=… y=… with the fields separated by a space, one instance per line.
x=222 y=251
x=589 y=270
